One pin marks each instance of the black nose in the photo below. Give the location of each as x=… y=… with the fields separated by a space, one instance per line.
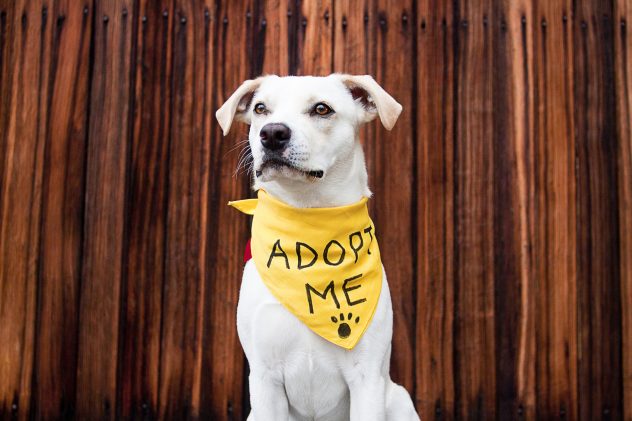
x=275 y=136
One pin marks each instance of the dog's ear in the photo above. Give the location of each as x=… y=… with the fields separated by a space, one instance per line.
x=236 y=107
x=373 y=99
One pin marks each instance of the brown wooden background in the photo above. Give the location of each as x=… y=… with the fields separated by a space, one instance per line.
x=508 y=178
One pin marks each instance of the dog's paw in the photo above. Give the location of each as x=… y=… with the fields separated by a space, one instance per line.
x=344 y=330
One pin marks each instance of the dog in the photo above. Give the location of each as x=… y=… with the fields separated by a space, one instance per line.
x=306 y=153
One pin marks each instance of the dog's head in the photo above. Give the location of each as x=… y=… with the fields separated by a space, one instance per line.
x=301 y=128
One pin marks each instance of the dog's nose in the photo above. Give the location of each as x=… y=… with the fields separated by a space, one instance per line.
x=275 y=136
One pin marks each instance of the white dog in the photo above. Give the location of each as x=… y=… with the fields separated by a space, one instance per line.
x=306 y=153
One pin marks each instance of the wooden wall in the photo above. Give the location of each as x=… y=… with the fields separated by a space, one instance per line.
x=508 y=178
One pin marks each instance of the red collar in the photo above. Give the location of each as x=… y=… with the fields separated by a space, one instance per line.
x=247 y=252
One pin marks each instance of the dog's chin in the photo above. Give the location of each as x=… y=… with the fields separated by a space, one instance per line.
x=278 y=170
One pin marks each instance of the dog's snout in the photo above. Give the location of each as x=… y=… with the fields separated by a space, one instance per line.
x=275 y=136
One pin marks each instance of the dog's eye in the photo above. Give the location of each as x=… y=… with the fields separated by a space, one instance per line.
x=260 y=108
x=322 y=109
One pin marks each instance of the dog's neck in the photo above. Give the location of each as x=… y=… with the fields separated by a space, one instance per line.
x=344 y=183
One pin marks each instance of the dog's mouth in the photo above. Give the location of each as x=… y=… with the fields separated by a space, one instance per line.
x=276 y=163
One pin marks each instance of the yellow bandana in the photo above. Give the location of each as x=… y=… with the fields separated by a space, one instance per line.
x=322 y=264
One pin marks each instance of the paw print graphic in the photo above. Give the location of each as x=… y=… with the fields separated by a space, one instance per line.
x=344 y=330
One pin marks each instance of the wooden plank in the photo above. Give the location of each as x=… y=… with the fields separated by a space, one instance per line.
x=223 y=366
x=104 y=229
x=186 y=262
x=513 y=198
x=598 y=283
x=139 y=358
x=393 y=177
x=7 y=9
x=555 y=261
x=54 y=381
x=26 y=37
x=435 y=207
x=352 y=36
x=475 y=372
x=623 y=91
x=275 y=37
x=316 y=35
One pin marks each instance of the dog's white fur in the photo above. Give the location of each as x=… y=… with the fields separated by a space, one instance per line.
x=294 y=373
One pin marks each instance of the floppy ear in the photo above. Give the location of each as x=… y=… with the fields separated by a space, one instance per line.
x=373 y=98
x=236 y=106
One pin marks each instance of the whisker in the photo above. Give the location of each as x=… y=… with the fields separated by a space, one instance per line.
x=242 y=156
x=247 y=167
x=245 y=163
x=243 y=152
x=238 y=145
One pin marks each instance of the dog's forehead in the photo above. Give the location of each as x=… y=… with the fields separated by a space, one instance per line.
x=301 y=88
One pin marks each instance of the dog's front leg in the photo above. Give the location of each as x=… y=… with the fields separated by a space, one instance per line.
x=267 y=397
x=368 y=397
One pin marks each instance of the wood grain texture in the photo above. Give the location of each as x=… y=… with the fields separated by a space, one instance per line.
x=506 y=183
x=224 y=366
x=23 y=137
x=274 y=38
x=183 y=288
x=139 y=359
x=392 y=175
x=623 y=91
x=555 y=258
x=105 y=229
x=475 y=368
x=316 y=37
x=435 y=206
x=513 y=166
x=599 y=303
x=62 y=213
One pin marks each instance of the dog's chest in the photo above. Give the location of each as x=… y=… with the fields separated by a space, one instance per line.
x=309 y=367
x=313 y=383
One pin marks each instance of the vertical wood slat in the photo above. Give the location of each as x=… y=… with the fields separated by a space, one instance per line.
x=435 y=278
x=62 y=213
x=316 y=37
x=475 y=372
x=554 y=256
x=513 y=163
x=223 y=367
x=26 y=36
x=105 y=213
x=270 y=30
x=275 y=50
x=513 y=211
x=139 y=361
x=598 y=282
x=6 y=70
x=181 y=278
x=393 y=178
x=352 y=39
x=623 y=91
x=187 y=265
